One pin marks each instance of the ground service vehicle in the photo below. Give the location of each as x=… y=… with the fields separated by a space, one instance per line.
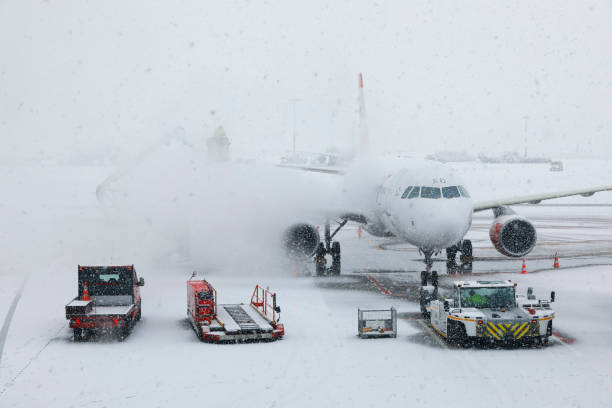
x=255 y=321
x=488 y=312
x=108 y=301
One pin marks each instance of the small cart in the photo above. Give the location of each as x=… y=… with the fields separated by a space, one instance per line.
x=377 y=323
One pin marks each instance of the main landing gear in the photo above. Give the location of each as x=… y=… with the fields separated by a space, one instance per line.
x=329 y=247
x=466 y=258
x=465 y=247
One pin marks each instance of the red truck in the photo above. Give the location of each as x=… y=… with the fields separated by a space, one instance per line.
x=108 y=301
x=216 y=323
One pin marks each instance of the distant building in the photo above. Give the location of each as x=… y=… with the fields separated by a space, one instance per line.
x=556 y=166
x=451 y=156
x=511 y=157
x=217 y=146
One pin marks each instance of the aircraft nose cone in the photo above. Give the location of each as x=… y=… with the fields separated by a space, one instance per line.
x=443 y=225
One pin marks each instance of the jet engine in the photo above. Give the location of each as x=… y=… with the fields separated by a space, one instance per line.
x=301 y=240
x=512 y=235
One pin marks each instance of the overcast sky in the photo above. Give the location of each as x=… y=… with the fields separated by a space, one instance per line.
x=100 y=76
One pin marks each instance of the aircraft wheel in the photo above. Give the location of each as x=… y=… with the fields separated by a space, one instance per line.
x=466 y=248
x=451 y=253
x=335 y=248
x=424 y=276
x=335 y=253
x=424 y=312
x=434 y=278
x=320 y=260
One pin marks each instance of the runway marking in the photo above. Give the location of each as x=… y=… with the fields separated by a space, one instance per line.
x=9 y=315
x=567 y=346
x=379 y=286
x=563 y=339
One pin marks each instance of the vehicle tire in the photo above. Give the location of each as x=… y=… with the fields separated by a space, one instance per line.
x=139 y=314
x=549 y=329
x=466 y=248
x=78 y=334
x=456 y=333
x=124 y=332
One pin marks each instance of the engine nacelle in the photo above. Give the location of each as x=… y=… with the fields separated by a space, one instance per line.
x=301 y=240
x=513 y=235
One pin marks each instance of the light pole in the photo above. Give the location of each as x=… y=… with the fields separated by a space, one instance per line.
x=294 y=101
x=526 y=119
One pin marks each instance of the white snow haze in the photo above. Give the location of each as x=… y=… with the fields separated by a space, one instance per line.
x=106 y=108
x=85 y=79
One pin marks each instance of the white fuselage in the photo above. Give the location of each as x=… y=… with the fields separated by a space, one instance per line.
x=422 y=203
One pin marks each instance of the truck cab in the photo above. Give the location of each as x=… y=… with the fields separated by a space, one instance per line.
x=111 y=285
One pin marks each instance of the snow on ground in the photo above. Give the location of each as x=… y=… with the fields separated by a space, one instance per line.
x=53 y=223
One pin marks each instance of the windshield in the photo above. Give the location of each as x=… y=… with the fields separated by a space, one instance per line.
x=107 y=282
x=415 y=192
x=406 y=192
x=450 y=192
x=464 y=192
x=430 y=192
x=495 y=297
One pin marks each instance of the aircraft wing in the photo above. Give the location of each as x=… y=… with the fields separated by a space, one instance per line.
x=536 y=198
x=314 y=169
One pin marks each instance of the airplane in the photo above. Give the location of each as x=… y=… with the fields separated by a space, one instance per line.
x=422 y=203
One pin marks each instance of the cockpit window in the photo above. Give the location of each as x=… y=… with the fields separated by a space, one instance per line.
x=406 y=192
x=415 y=192
x=430 y=192
x=464 y=192
x=450 y=192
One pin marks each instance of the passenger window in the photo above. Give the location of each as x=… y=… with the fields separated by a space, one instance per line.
x=464 y=192
x=406 y=192
x=415 y=192
x=450 y=192
x=430 y=192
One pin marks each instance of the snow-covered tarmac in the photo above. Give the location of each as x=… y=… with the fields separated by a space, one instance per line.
x=53 y=222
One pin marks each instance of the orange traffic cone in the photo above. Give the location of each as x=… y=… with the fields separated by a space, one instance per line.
x=85 y=292
x=524 y=268
x=359 y=232
x=556 y=264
